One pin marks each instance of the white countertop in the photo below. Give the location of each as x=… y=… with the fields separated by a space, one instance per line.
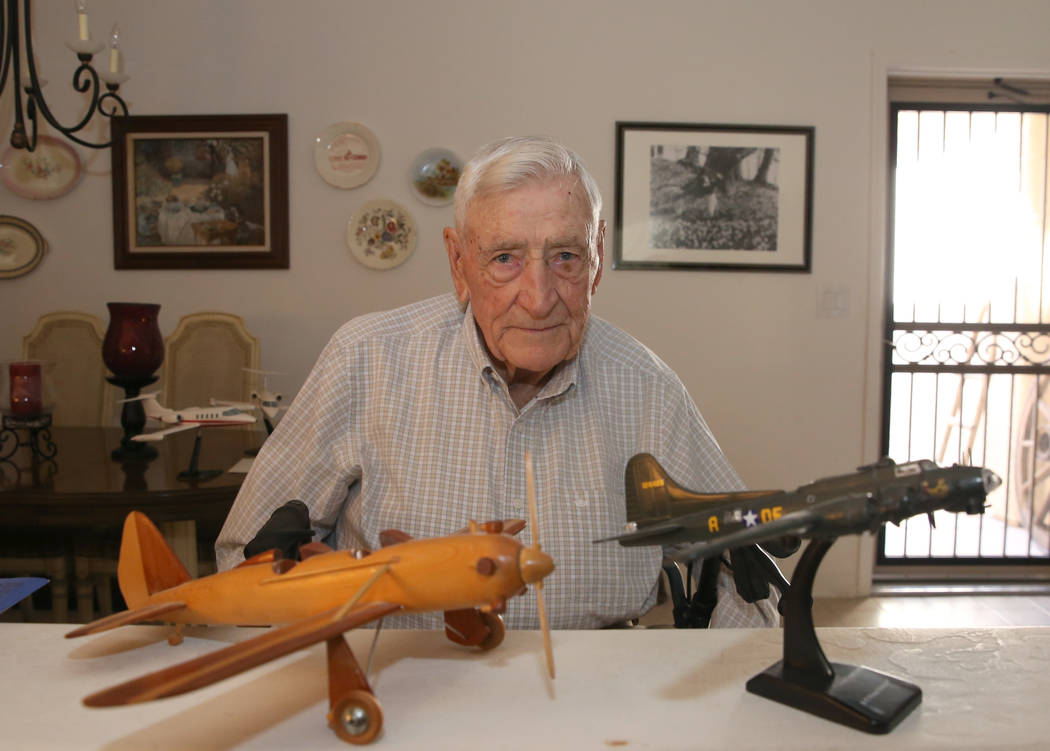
x=631 y=689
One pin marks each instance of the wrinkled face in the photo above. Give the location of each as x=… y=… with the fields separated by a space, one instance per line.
x=525 y=264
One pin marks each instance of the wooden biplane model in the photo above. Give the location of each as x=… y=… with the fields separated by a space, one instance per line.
x=469 y=575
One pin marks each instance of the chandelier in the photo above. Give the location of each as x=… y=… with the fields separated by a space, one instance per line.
x=18 y=70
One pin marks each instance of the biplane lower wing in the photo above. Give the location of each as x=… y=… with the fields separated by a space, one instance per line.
x=138 y=615
x=229 y=661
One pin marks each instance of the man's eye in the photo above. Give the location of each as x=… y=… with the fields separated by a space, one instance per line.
x=566 y=255
x=504 y=258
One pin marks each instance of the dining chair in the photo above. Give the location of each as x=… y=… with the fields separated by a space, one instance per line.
x=70 y=343
x=208 y=356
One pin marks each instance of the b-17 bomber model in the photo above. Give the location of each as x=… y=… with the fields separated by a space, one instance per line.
x=660 y=512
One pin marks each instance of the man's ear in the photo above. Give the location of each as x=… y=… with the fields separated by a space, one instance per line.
x=455 y=263
x=599 y=245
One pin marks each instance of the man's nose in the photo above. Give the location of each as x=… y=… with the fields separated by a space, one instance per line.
x=538 y=293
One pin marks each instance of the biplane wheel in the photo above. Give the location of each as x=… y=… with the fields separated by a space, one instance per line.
x=497 y=631
x=356 y=717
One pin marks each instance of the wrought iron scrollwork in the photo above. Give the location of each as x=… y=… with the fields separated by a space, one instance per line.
x=971 y=347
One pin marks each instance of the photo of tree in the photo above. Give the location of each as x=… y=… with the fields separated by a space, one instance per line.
x=704 y=197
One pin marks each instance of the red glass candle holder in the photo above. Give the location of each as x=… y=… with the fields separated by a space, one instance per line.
x=133 y=347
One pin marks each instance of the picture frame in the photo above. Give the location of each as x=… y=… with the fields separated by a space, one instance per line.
x=200 y=192
x=713 y=197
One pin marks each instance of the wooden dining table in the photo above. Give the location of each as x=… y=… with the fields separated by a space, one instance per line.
x=79 y=498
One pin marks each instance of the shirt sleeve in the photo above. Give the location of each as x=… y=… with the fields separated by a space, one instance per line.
x=310 y=457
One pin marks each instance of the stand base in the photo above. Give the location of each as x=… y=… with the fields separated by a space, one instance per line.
x=129 y=450
x=858 y=697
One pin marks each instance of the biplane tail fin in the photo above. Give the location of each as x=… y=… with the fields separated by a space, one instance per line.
x=648 y=488
x=147 y=564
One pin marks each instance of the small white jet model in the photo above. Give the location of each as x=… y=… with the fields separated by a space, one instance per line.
x=266 y=401
x=188 y=418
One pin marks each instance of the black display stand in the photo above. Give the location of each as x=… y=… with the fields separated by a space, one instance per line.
x=132 y=419
x=848 y=694
x=193 y=472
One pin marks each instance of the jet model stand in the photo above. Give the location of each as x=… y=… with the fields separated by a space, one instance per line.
x=851 y=695
x=193 y=472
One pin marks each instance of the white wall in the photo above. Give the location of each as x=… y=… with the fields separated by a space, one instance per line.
x=791 y=395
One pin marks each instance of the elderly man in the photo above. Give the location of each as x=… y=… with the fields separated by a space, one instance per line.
x=418 y=419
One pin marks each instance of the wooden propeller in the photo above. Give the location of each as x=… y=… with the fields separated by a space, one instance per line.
x=530 y=489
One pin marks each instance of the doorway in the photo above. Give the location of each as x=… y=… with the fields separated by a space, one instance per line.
x=967 y=366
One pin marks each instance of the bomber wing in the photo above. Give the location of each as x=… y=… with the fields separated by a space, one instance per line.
x=794 y=523
x=651 y=531
x=236 y=658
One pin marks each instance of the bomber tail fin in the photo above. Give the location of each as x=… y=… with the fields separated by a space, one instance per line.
x=648 y=489
x=147 y=564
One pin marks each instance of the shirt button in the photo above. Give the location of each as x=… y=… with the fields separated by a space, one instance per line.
x=581 y=502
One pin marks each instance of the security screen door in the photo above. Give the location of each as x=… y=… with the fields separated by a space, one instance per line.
x=967 y=366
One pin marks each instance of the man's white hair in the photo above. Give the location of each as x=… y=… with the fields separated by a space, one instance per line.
x=509 y=163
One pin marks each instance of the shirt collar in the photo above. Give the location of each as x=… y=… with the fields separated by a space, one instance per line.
x=564 y=376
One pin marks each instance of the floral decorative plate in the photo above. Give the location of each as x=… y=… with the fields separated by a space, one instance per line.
x=381 y=234
x=434 y=175
x=21 y=247
x=49 y=171
x=346 y=154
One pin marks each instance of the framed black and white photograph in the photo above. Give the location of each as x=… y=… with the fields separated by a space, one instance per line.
x=695 y=196
x=200 y=192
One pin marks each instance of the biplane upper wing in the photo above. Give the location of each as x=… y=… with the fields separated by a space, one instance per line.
x=395 y=536
x=509 y=527
x=236 y=658
x=138 y=615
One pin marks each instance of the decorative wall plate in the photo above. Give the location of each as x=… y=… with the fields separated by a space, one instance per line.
x=381 y=234
x=434 y=175
x=21 y=247
x=49 y=171
x=346 y=154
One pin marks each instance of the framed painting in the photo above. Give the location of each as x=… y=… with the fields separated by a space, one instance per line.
x=200 y=192
x=731 y=197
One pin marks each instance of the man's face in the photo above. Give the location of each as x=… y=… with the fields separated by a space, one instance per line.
x=526 y=267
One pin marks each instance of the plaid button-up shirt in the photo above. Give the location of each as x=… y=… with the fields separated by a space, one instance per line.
x=405 y=424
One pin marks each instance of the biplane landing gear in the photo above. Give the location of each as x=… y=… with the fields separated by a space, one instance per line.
x=354 y=714
x=473 y=628
x=357 y=718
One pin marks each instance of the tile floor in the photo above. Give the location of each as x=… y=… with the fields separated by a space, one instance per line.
x=916 y=611
x=934 y=611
